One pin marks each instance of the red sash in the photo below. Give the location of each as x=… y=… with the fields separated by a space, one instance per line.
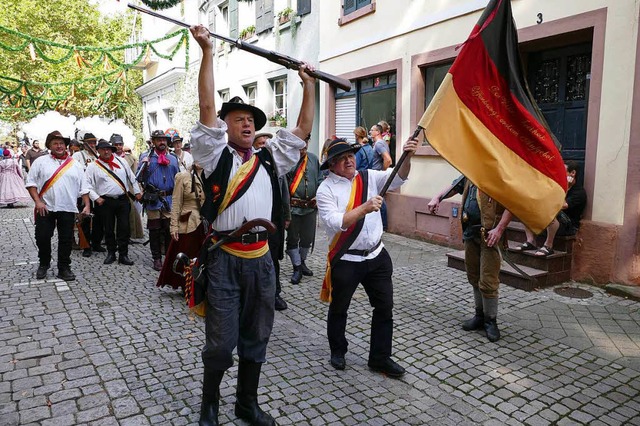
x=66 y=164
x=343 y=240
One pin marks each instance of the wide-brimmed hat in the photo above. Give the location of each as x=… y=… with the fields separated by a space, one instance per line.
x=55 y=135
x=177 y=138
x=186 y=146
x=259 y=135
x=89 y=137
x=104 y=144
x=116 y=138
x=337 y=147
x=236 y=103
x=159 y=134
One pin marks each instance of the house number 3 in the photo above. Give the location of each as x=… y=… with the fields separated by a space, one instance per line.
x=539 y=21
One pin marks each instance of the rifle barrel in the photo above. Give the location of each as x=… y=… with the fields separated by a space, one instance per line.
x=394 y=172
x=278 y=58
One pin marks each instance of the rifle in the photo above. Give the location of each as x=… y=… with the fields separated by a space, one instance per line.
x=273 y=56
x=394 y=172
x=82 y=239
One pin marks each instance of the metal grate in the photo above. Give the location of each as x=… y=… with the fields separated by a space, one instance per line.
x=574 y=293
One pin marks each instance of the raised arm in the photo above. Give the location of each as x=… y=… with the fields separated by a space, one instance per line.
x=206 y=86
x=307 y=109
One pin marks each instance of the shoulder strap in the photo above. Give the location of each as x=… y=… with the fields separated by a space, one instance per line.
x=116 y=178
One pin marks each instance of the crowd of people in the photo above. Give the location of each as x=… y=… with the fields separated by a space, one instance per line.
x=237 y=200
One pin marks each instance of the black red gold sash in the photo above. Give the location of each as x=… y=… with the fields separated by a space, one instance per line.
x=240 y=182
x=66 y=165
x=343 y=240
x=297 y=177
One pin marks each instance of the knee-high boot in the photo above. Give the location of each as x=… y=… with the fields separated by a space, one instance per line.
x=155 y=243
x=247 y=395
x=210 y=397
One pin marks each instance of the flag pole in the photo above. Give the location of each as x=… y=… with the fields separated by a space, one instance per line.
x=394 y=172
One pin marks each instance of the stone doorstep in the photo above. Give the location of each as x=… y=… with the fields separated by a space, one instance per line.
x=515 y=232
x=508 y=275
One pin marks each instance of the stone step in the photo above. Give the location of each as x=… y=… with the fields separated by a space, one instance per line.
x=515 y=232
x=509 y=276
x=559 y=261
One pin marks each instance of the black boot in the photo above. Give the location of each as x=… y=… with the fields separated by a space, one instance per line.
x=124 y=260
x=210 y=397
x=111 y=257
x=297 y=275
x=42 y=271
x=475 y=323
x=491 y=329
x=305 y=270
x=247 y=395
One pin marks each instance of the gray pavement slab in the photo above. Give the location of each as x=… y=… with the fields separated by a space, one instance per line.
x=112 y=349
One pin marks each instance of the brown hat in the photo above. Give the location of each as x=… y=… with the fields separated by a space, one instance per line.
x=89 y=137
x=56 y=135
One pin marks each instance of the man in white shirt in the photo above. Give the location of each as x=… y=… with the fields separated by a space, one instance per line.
x=239 y=186
x=55 y=182
x=349 y=208
x=185 y=159
x=111 y=181
x=92 y=227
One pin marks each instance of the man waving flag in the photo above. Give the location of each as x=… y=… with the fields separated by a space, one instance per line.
x=484 y=121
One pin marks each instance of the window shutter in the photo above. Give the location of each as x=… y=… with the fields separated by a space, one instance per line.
x=259 y=16
x=346 y=118
x=233 y=18
x=349 y=6
x=304 y=7
x=267 y=16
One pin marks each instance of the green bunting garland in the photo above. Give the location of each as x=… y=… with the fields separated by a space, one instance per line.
x=160 y=4
x=36 y=96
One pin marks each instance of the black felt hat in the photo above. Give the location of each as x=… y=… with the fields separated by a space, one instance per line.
x=236 y=103
x=116 y=138
x=159 y=134
x=104 y=144
x=338 y=147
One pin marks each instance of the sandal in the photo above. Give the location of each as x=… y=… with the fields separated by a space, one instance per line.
x=526 y=246
x=544 y=251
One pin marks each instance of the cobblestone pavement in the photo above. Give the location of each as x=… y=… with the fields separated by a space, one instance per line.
x=111 y=348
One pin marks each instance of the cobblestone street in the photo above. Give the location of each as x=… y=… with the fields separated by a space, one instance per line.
x=112 y=349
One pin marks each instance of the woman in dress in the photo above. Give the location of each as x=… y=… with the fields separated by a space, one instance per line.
x=186 y=228
x=12 y=188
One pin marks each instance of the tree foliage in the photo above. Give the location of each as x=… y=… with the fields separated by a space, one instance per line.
x=68 y=22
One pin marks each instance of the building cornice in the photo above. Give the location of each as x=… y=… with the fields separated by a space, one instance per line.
x=161 y=81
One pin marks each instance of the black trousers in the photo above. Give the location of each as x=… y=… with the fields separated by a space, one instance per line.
x=114 y=216
x=45 y=225
x=92 y=228
x=375 y=276
x=275 y=247
x=301 y=230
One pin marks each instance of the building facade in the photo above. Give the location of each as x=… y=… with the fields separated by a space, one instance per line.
x=581 y=59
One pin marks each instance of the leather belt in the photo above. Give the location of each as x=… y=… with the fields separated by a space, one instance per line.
x=115 y=197
x=364 y=253
x=299 y=202
x=248 y=238
x=165 y=193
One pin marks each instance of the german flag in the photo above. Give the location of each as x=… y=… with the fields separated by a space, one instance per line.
x=484 y=121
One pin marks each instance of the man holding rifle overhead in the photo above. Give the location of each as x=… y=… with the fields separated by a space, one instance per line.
x=240 y=185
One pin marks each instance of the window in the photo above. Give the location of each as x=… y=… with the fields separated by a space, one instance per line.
x=280 y=96
x=153 y=120
x=304 y=7
x=224 y=95
x=434 y=75
x=264 y=15
x=354 y=9
x=169 y=113
x=250 y=92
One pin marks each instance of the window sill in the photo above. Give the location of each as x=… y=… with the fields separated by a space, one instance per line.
x=287 y=24
x=363 y=11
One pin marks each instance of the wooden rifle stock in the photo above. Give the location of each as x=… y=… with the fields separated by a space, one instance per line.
x=278 y=58
x=82 y=239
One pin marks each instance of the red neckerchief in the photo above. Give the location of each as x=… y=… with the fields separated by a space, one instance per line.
x=62 y=157
x=245 y=153
x=112 y=164
x=162 y=158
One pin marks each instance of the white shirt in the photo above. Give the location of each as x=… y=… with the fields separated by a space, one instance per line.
x=84 y=158
x=101 y=183
x=207 y=145
x=332 y=198
x=185 y=161
x=63 y=195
